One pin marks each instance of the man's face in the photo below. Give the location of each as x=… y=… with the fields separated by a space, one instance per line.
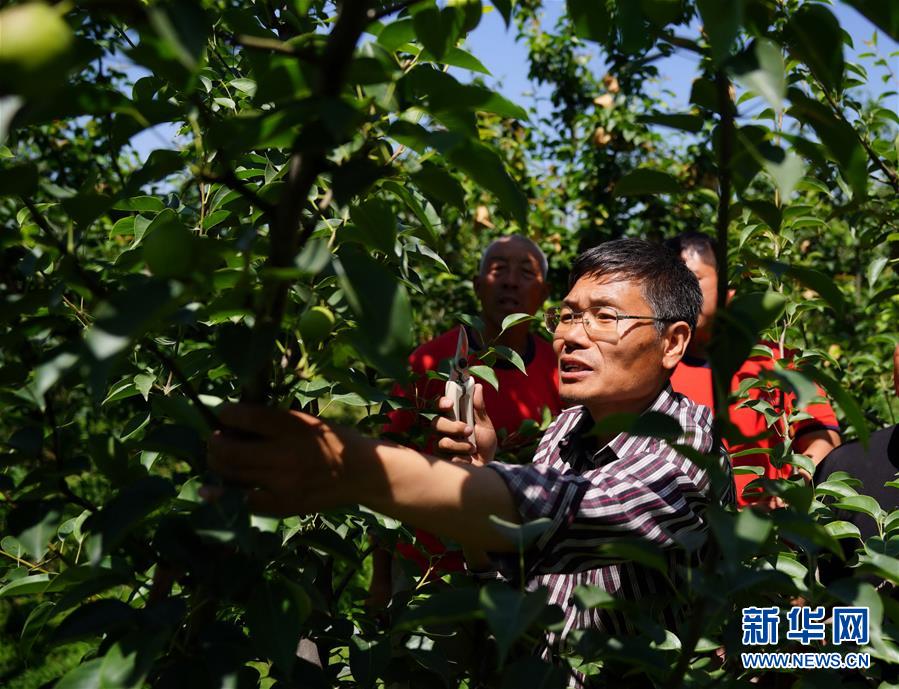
x=622 y=373
x=511 y=281
x=702 y=265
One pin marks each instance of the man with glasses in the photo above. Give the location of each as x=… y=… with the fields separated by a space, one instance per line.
x=621 y=331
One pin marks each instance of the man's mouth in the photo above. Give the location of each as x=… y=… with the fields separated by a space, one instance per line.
x=508 y=303
x=573 y=369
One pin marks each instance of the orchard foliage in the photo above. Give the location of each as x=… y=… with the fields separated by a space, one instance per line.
x=326 y=209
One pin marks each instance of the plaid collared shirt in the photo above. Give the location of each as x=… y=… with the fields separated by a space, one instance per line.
x=633 y=488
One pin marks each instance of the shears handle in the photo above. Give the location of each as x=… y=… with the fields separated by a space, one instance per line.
x=463 y=405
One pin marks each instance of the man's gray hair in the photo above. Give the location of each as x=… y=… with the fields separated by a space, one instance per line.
x=541 y=257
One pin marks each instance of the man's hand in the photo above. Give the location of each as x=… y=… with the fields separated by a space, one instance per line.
x=454 y=440
x=294 y=463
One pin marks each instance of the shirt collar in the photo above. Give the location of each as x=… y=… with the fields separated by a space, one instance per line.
x=664 y=403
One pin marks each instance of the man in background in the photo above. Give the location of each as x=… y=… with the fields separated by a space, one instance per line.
x=814 y=437
x=511 y=279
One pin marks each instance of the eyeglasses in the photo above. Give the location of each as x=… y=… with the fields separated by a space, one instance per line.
x=598 y=321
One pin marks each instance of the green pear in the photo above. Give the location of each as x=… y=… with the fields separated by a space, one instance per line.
x=35 y=48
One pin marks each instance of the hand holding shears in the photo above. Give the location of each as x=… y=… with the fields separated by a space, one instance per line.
x=460 y=386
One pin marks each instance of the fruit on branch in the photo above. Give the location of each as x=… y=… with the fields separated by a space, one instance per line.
x=35 y=49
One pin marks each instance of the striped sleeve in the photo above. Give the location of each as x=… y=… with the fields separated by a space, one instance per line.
x=657 y=499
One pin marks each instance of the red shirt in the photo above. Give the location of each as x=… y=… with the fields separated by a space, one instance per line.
x=520 y=397
x=693 y=379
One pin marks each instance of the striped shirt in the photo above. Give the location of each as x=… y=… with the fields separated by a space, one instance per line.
x=634 y=488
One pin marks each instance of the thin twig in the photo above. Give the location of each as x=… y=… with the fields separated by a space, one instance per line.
x=230 y=180
x=872 y=154
x=374 y=15
x=167 y=361
x=100 y=291
x=275 y=46
x=28 y=564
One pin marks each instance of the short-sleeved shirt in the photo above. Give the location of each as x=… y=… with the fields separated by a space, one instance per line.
x=520 y=397
x=631 y=488
x=693 y=378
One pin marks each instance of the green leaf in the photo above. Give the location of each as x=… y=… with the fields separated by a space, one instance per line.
x=275 y=615
x=875 y=268
x=441 y=92
x=814 y=37
x=646 y=181
x=183 y=27
x=149 y=204
x=456 y=57
x=514 y=319
x=505 y=9
x=860 y=503
x=437 y=28
x=485 y=373
x=442 y=607
x=760 y=69
x=34 y=524
x=510 y=613
x=486 y=168
x=786 y=170
x=721 y=21
x=512 y=356
x=841 y=529
x=745 y=317
x=837 y=135
x=84 y=676
x=123 y=512
x=588 y=597
x=883 y=14
x=396 y=34
x=26 y=586
x=143 y=382
x=368 y=659
x=436 y=182
x=383 y=334
x=377 y=221
x=591 y=19
x=523 y=535
x=683 y=121
x=168 y=246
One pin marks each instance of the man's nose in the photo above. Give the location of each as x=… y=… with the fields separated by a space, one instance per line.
x=574 y=337
x=512 y=278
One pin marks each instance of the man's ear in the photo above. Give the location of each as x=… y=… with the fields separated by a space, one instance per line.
x=674 y=344
x=730 y=296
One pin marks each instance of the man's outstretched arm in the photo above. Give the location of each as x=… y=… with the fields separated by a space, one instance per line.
x=300 y=464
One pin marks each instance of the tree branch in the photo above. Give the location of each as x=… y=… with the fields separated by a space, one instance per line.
x=304 y=167
x=99 y=291
x=891 y=174
x=230 y=180
x=374 y=15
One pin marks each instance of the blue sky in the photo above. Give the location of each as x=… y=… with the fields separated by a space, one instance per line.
x=495 y=46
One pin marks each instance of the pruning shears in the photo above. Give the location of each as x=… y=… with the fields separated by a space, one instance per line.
x=460 y=386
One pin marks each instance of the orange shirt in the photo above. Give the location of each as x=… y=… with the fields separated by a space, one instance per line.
x=693 y=379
